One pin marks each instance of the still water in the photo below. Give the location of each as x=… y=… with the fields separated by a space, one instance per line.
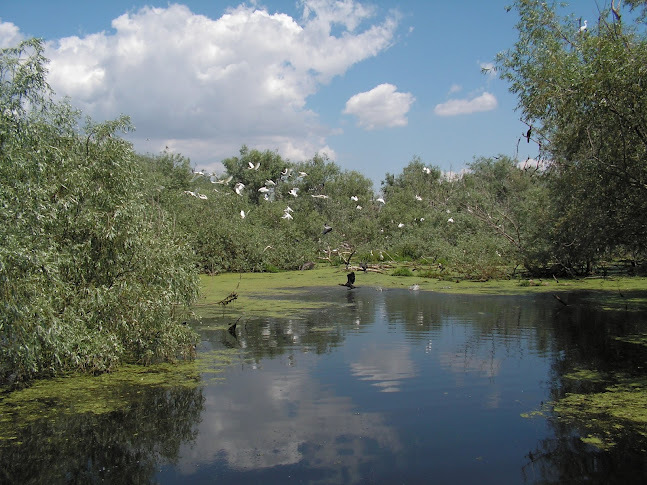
x=392 y=386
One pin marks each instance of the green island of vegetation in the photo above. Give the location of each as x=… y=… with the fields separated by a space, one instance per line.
x=105 y=252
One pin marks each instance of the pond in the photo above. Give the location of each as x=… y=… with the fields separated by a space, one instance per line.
x=369 y=386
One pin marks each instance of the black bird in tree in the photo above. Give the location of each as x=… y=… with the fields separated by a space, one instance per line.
x=326 y=229
x=350 y=280
x=528 y=133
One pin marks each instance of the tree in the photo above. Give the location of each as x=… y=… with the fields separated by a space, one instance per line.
x=583 y=93
x=91 y=273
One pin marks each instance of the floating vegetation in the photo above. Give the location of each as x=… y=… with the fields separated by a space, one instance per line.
x=105 y=393
x=636 y=339
x=604 y=417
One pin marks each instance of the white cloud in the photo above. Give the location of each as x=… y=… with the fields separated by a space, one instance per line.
x=455 y=88
x=453 y=107
x=9 y=35
x=380 y=107
x=205 y=86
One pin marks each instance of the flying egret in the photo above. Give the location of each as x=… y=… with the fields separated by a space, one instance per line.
x=239 y=188
x=287 y=215
x=250 y=165
x=294 y=191
x=354 y=198
x=326 y=229
x=288 y=209
x=270 y=182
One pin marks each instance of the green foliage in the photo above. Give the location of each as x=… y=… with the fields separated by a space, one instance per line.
x=583 y=93
x=90 y=272
x=401 y=271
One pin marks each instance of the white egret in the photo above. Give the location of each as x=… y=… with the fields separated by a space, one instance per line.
x=250 y=165
x=287 y=216
x=380 y=200
x=238 y=188
x=294 y=191
x=426 y=170
x=418 y=198
x=303 y=174
x=584 y=27
x=354 y=198
x=188 y=192
x=242 y=214
x=288 y=209
x=202 y=196
x=319 y=196
x=450 y=220
x=266 y=197
x=270 y=182
x=359 y=207
x=401 y=225
x=263 y=190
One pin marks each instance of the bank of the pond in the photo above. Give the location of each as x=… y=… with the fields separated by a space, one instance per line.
x=254 y=290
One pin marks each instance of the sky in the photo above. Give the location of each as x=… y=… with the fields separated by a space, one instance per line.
x=371 y=84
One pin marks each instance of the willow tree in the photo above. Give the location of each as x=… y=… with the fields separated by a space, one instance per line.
x=91 y=273
x=581 y=89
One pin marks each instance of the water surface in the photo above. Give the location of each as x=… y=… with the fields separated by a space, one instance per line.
x=392 y=386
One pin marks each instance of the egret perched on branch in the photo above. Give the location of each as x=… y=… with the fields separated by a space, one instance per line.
x=380 y=200
x=426 y=170
x=202 y=196
x=288 y=209
x=418 y=197
x=270 y=182
x=238 y=188
x=287 y=216
x=354 y=198
x=318 y=196
x=242 y=214
x=294 y=191
x=401 y=225
x=303 y=174
x=584 y=27
x=264 y=190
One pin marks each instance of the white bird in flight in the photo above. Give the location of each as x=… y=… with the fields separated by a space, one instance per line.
x=239 y=188
x=288 y=209
x=287 y=216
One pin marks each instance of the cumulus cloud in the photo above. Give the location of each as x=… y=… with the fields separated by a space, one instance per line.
x=9 y=34
x=380 y=107
x=205 y=86
x=453 y=107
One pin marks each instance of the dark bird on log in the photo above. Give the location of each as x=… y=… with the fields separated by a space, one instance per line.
x=326 y=229
x=363 y=266
x=350 y=280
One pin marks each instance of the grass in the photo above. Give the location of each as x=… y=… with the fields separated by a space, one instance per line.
x=255 y=289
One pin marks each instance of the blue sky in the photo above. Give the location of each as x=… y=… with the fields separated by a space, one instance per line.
x=370 y=83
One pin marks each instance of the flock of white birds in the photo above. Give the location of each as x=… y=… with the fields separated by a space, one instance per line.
x=268 y=189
